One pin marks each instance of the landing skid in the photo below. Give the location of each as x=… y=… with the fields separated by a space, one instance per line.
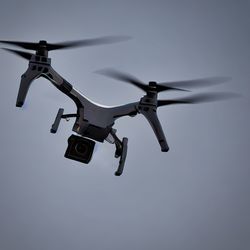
x=121 y=150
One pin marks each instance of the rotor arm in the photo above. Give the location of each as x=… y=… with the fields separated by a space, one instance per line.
x=130 y=109
x=35 y=71
x=61 y=84
x=57 y=80
x=153 y=120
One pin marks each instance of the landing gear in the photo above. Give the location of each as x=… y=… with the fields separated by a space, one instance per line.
x=121 y=146
x=121 y=150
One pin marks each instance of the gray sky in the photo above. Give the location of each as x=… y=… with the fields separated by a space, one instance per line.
x=196 y=196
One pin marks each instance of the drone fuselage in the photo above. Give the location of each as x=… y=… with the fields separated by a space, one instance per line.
x=93 y=120
x=96 y=121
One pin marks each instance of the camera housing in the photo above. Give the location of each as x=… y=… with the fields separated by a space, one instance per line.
x=79 y=149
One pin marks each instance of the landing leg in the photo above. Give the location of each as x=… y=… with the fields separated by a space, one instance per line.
x=26 y=80
x=122 y=157
x=121 y=150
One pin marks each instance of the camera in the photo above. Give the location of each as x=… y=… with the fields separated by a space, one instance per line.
x=79 y=149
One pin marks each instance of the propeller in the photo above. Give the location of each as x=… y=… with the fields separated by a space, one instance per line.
x=66 y=45
x=198 y=83
x=125 y=77
x=177 y=85
x=23 y=54
x=198 y=98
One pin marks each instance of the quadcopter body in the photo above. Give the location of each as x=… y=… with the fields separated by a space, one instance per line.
x=94 y=122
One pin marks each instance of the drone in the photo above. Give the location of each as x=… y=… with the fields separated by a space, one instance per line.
x=94 y=122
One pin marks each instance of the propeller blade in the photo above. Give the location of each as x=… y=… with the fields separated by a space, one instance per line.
x=88 y=42
x=197 y=83
x=24 y=45
x=124 y=77
x=23 y=54
x=198 y=98
x=70 y=44
x=161 y=88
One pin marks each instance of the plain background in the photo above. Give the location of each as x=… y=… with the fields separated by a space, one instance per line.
x=196 y=196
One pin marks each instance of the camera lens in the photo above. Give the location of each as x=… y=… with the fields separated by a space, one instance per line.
x=80 y=148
